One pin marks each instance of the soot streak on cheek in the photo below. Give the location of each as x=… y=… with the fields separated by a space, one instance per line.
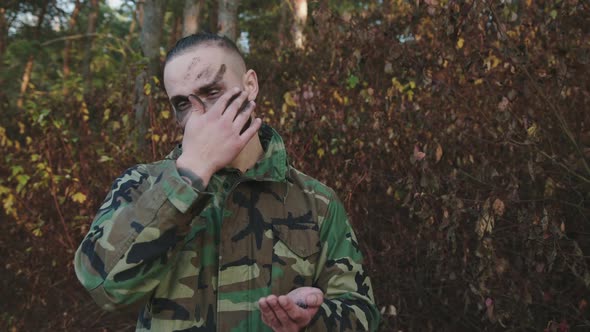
x=181 y=116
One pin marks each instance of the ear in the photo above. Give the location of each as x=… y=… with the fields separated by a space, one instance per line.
x=250 y=81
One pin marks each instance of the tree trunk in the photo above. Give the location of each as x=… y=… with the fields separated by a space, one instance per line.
x=135 y=22
x=139 y=13
x=3 y=41
x=151 y=34
x=141 y=110
x=25 y=81
x=228 y=18
x=300 y=16
x=176 y=32
x=90 y=30
x=72 y=26
x=3 y=32
x=284 y=27
x=31 y=60
x=212 y=14
x=192 y=11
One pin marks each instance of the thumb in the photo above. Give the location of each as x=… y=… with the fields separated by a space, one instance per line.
x=314 y=300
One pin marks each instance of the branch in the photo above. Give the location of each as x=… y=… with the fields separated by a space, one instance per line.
x=79 y=36
x=553 y=159
x=88 y=35
x=552 y=106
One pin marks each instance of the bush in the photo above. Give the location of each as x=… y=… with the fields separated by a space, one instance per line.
x=456 y=134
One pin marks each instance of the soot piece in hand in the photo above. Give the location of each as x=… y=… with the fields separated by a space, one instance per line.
x=301 y=304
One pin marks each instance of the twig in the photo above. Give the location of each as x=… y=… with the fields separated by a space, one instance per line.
x=552 y=106
x=56 y=202
x=562 y=165
x=565 y=167
x=354 y=189
x=72 y=37
x=87 y=35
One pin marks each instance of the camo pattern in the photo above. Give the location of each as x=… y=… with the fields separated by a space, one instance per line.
x=199 y=261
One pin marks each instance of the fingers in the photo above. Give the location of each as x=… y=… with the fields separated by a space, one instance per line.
x=235 y=105
x=281 y=314
x=268 y=315
x=236 y=114
x=309 y=297
x=197 y=103
x=223 y=102
x=314 y=300
x=295 y=313
x=242 y=117
x=252 y=130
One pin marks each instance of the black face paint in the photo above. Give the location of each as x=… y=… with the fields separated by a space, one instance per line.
x=204 y=72
x=181 y=115
x=193 y=63
x=220 y=73
x=245 y=105
x=246 y=126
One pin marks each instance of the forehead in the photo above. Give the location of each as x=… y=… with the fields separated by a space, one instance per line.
x=195 y=55
x=196 y=66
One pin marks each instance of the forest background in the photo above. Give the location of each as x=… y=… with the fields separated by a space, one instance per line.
x=457 y=134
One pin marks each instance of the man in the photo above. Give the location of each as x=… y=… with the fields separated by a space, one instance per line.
x=223 y=234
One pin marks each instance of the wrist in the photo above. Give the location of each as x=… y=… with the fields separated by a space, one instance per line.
x=195 y=174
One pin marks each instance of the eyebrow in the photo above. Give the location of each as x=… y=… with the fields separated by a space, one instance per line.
x=215 y=82
x=205 y=88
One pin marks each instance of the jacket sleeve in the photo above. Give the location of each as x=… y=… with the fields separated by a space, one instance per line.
x=349 y=304
x=135 y=235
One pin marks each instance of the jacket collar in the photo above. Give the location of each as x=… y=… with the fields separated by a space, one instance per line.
x=273 y=165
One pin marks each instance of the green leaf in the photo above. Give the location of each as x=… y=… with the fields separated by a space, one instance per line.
x=79 y=197
x=41 y=118
x=22 y=180
x=38 y=232
x=104 y=159
x=17 y=169
x=352 y=81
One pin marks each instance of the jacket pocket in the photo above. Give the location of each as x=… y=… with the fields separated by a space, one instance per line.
x=295 y=254
x=302 y=242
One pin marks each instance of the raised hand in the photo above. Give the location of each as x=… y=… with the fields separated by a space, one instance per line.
x=213 y=137
x=291 y=312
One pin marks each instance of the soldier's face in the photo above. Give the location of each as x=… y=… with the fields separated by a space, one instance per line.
x=206 y=72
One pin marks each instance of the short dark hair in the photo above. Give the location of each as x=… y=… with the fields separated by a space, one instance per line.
x=202 y=38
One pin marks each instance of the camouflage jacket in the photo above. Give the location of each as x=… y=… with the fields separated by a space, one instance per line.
x=199 y=261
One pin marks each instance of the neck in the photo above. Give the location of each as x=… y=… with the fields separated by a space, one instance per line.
x=249 y=155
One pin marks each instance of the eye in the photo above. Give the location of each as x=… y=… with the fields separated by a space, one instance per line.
x=213 y=93
x=182 y=106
